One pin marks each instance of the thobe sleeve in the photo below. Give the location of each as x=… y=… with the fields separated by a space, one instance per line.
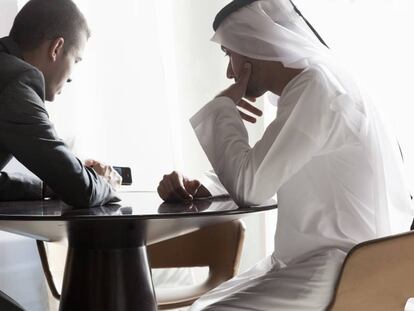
x=213 y=184
x=253 y=175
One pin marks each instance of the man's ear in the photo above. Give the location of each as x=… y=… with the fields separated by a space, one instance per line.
x=56 y=48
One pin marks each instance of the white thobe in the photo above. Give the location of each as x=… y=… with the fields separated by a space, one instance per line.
x=318 y=155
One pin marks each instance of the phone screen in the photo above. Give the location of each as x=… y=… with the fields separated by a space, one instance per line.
x=125 y=173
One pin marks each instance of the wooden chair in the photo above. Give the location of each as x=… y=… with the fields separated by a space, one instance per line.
x=217 y=247
x=377 y=275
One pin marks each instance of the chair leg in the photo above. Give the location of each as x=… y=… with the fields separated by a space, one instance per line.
x=46 y=269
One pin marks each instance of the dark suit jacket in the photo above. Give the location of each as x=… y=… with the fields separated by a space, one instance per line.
x=8 y=304
x=27 y=134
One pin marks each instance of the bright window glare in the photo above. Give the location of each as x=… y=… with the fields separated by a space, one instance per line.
x=129 y=101
x=124 y=120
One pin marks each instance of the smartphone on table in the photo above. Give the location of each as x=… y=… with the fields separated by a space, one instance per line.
x=125 y=173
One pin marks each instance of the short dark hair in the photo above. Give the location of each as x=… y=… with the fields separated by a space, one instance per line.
x=41 y=20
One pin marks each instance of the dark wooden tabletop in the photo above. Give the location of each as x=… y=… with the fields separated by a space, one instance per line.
x=153 y=219
x=143 y=205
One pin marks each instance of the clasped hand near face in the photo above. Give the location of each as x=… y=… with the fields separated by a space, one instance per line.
x=107 y=172
x=237 y=91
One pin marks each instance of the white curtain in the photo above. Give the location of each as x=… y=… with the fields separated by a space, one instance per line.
x=148 y=66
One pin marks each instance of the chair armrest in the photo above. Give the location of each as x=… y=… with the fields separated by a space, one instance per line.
x=217 y=247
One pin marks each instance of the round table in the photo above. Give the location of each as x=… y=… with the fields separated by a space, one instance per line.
x=107 y=266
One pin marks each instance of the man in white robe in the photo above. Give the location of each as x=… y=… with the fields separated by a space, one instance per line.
x=337 y=175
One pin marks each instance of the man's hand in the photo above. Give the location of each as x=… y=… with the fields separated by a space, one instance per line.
x=105 y=171
x=177 y=188
x=237 y=92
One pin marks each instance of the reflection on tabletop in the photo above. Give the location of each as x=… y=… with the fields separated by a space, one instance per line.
x=137 y=204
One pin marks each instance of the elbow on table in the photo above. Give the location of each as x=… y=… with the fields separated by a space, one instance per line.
x=79 y=201
x=249 y=187
x=249 y=201
x=83 y=197
x=96 y=198
x=246 y=197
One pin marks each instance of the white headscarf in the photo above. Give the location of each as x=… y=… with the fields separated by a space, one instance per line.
x=271 y=30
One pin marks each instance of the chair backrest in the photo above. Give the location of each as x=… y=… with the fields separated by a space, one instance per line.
x=217 y=247
x=377 y=275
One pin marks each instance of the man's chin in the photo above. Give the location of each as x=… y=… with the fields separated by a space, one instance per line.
x=50 y=98
x=253 y=94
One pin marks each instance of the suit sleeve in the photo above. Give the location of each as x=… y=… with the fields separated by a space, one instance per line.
x=27 y=133
x=19 y=187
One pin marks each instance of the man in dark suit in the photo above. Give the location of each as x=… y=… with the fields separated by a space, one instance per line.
x=36 y=60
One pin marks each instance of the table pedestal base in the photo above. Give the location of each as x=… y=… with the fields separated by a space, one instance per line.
x=107 y=280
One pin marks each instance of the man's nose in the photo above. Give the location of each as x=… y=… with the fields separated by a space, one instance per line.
x=230 y=73
x=69 y=80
